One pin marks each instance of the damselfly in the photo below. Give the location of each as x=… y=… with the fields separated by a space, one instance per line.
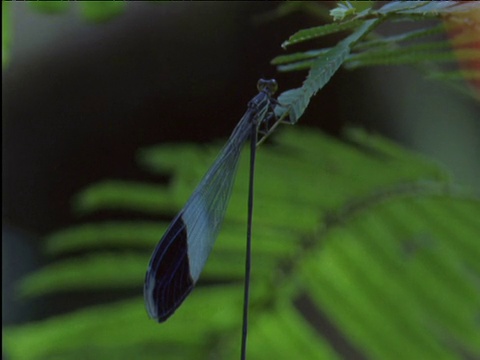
x=181 y=254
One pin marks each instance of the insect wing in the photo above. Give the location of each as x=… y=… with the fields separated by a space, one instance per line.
x=181 y=254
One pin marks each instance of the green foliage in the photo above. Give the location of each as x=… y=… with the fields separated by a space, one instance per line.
x=312 y=33
x=364 y=47
x=95 y=272
x=294 y=102
x=99 y=11
x=378 y=247
x=126 y=195
x=49 y=7
x=95 y=11
x=378 y=240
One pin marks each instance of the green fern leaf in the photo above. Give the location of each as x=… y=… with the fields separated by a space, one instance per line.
x=410 y=55
x=370 y=251
x=319 y=31
x=93 y=272
x=122 y=195
x=395 y=6
x=284 y=59
x=410 y=35
x=434 y=8
x=294 y=102
x=88 y=237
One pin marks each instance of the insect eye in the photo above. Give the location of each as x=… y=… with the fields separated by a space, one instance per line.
x=270 y=85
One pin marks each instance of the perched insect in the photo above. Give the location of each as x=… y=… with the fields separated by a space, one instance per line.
x=181 y=254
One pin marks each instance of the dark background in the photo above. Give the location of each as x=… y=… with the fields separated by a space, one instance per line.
x=80 y=98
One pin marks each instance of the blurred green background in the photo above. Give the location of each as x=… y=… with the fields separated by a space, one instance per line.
x=86 y=86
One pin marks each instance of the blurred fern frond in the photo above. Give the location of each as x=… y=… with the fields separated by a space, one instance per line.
x=362 y=236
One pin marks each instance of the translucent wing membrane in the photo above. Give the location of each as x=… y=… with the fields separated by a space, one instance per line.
x=181 y=254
